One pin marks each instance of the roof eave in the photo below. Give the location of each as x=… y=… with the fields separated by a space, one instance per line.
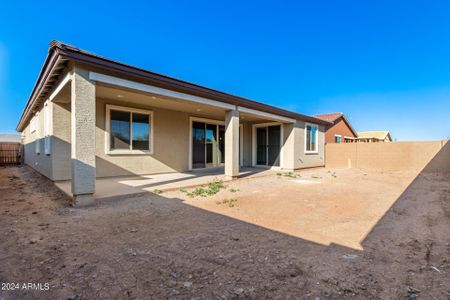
x=58 y=50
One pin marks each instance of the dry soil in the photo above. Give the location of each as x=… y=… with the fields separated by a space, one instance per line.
x=328 y=234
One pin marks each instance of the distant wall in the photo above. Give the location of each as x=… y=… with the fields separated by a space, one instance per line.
x=431 y=156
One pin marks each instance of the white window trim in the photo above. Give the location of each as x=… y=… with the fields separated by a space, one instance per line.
x=337 y=135
x=47 y=127
x=196 y=119
x=33 y=124
x=108 y=131
x=37 y=140
x=317 y=138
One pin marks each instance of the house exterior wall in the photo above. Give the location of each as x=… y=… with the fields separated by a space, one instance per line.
x=171 y=134
x=38 y=161
x=340 y=128
x=247 y=144
x=307 y=160
x=171 y=144
x=60 y=141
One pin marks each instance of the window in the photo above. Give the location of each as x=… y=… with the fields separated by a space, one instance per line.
x=311 y=137
x=129 y=131
x=338 y=139
x=37 y=140
x=33 y=124
x=47 y=124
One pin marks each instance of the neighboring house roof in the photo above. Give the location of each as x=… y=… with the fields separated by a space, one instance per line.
x=10 y=138
x=334 y=118
x=59 y=54
x=380 y=135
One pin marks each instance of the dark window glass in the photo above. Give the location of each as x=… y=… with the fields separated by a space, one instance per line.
x=141 y=129
x=273 y=146
x=261 y=145
x=198 y=143
x=120 y=130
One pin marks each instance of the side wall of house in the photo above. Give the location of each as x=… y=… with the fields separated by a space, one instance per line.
x=38 y=161
x=307 y=160
x=340 y=128
x=171 y=144
x=60 y=142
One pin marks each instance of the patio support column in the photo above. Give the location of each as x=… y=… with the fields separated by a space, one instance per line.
x=288 y=147
x=232 y=144
x=82 y=138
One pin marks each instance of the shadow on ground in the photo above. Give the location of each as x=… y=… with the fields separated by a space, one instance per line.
x=155 y=247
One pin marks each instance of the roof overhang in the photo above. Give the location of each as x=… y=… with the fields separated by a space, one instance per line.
x=60 y=54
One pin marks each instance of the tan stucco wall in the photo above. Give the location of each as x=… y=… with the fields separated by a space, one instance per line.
x=171 y=144
x=40 y=162
x=247 y=144
x=431 y=156
x=302 y=159
x=61 y=149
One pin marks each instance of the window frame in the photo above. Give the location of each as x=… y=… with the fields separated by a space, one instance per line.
x=33 y=126
x=316 y=151
x=338 y=136
x=47 y=128
x=37 y=132
x=131 y=151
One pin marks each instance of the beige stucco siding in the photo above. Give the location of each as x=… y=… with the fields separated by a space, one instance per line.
x=307 y=160
x=247 y=144
x=38 y=161
x=60 y=142
x=171 y=137
x=171 y=144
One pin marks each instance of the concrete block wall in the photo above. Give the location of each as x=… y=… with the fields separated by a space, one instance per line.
x=430 y=156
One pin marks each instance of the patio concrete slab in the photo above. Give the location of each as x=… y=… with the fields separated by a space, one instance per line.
x=132 y=185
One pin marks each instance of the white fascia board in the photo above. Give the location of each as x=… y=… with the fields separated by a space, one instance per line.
x=156 y=90
x=60 y=86
x=266 y=115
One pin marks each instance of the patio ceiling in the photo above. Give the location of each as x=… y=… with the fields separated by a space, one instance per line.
x=132 y=97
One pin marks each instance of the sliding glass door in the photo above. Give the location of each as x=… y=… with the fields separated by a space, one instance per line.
x=268 y=145
x=207 y=145
x=198 y=145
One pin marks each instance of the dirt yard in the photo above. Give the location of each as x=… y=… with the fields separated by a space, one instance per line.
x=328 y=234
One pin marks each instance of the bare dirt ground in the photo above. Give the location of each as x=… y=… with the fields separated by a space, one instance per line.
x=329 y=234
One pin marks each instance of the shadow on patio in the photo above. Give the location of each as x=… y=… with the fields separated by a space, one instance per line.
x=136 y=184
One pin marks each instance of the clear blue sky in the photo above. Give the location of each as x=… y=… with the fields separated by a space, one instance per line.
x=385 y=64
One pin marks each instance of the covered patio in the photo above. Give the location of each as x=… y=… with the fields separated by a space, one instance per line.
x=191 y=140
x=108 y=188
x=102 y=119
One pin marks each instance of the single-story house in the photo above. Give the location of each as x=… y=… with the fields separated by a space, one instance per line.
x=340 y=130
x=90 y=117
x=374 y=136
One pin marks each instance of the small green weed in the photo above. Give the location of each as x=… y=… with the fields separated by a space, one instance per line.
x=234 y=190
x=289 y=175
x=157 y=192
x=230 y=202
x=212 y=189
